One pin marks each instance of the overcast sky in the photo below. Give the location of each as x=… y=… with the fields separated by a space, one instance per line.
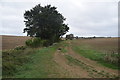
x=84 y=17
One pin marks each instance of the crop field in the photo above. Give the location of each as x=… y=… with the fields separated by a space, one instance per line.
x=78 y=58
x=10 y=42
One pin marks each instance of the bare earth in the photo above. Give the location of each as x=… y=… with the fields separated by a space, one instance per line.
x=10 y=42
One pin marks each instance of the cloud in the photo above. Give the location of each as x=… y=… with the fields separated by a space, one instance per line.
x=84 y=17
x=94 y=18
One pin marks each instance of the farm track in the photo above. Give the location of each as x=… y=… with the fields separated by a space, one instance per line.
x=82 y=67
x=70 y=70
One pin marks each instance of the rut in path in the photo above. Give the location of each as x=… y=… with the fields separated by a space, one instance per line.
x=86 y=68
x=70 y=70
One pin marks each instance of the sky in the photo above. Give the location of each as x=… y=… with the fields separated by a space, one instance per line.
x=84 y=17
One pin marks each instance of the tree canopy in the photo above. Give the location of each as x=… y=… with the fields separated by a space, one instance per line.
x=45 y=22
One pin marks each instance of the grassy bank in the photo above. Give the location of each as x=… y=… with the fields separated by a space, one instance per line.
x=41 y=66
x=97 y=56
x=13 y=60
x=25 y=63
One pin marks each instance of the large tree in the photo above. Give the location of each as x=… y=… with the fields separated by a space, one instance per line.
x=45 y=22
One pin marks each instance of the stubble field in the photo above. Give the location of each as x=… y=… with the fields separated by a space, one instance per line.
x=10 y=42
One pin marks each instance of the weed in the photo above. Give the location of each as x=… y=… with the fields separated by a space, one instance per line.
x=63 y=50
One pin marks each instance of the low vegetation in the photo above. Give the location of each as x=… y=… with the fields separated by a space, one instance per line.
x=42 y=65
x=92 y=72
x=37 y=61
x=107 y=59
x=37 y=42
x=12 y=59
x=18 y=61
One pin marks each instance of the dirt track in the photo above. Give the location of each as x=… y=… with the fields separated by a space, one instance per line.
x=69 y=70
x=86 y=69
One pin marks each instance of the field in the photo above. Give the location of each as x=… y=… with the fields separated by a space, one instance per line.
x=79 y=58
x=10 y=42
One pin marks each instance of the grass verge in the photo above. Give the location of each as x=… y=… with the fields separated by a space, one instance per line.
x=12 y=59
x=94 y=55
x=92 y=72
x=31 y=63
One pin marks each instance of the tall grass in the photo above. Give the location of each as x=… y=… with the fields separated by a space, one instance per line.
x=12 y=59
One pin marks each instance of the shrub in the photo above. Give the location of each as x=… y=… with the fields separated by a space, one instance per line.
x=37 y=42
x=45 y=43
x=34 y=42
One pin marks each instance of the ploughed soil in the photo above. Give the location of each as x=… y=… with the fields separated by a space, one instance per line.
x=100 y=44
x=10 y=42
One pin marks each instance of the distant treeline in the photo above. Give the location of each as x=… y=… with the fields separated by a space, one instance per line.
x=71 y=36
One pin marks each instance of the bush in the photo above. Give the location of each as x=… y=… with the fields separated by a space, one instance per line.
x=46 y=43
x=34 y=42
x=37 y=42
